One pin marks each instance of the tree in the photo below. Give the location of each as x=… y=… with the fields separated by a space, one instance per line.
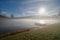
x=12 y=16
x=0 y=12
x=59 y=12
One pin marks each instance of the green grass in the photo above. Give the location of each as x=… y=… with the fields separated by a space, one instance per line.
x=51 y=32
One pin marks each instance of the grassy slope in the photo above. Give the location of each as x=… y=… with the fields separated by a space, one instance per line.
x=49 y=33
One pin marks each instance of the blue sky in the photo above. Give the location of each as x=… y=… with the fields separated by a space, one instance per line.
x=28 y=7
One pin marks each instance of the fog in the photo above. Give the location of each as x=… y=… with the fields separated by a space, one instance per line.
x=9 y=25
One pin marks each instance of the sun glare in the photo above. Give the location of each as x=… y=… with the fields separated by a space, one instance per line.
x=42 y=10
x=42 y=22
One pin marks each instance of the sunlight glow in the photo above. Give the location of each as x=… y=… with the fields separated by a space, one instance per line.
x=42 y=11
x=42 y=22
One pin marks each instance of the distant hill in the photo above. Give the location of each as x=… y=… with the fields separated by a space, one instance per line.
x=36 y=17
x=39 y=17
x=1 y=16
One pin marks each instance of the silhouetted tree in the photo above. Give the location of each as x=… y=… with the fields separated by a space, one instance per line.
x=0 y=12
x=12 y=16
x=59 y=12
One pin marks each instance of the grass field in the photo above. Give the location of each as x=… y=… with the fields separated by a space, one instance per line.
x=51 y=32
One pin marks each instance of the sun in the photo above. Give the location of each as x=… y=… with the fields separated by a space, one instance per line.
x=42 y=11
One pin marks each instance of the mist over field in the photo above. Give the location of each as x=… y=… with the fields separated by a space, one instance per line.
x=29 y=19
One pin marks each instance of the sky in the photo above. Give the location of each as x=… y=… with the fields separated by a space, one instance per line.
x=29 y=7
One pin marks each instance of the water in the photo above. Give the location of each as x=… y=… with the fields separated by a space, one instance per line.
x=19 y=24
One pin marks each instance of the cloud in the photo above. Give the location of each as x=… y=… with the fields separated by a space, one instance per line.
x=30 y=12
x=34 y=1
x=40 y=0
x=3 y=13
x=27 y=13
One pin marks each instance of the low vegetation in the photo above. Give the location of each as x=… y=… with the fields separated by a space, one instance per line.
x=51 y=32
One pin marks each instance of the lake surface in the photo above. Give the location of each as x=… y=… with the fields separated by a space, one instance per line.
x=9 y=25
